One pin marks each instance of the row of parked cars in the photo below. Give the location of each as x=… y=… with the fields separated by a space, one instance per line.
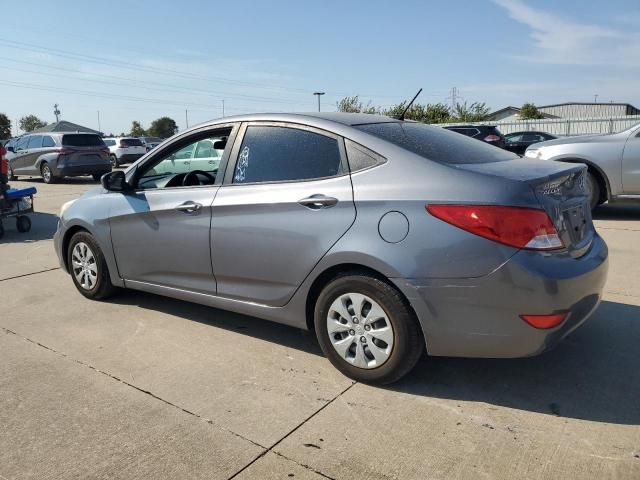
x=56 y=155
x=612 y=160
x=516 y=142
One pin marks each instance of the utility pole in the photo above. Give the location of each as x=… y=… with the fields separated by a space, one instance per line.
x=318 y=94
x=186 y=117
x=454 y=97
x=56 y=112
x=99 y=128
x=223 y=108
x=595 y=98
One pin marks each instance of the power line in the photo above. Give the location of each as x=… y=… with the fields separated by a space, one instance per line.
x=170 y=89
x=176 y=73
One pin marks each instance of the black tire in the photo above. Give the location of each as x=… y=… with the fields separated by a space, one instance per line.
x=114 y=161
x=103 y=288
x=593 y=188
x=23 y=223
x=408 y=341
x=47 y=173
x=1 y=230
x=97 y=176
x=11 y=175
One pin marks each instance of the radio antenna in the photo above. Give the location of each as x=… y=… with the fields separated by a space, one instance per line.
x=401 y=116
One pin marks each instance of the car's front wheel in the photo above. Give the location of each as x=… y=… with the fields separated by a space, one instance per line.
x=88 y=267
x=12 y=176
x=367 y=330
x=593 y=190
x=114 y=161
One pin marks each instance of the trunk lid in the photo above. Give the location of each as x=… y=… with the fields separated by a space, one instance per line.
x=559 y=188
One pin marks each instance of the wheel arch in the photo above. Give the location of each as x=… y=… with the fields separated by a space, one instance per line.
x=329 y=273
x=64 y=246
x=603 y=180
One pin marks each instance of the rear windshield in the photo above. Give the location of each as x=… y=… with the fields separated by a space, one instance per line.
x=82 y=140
x=130 y=142
x=437 y=144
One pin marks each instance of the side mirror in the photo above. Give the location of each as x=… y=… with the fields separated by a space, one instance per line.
x=11 y=149
x=115 y=181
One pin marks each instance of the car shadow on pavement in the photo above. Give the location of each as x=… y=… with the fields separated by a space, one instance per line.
x=284 y=335
x=593 y=374
x=617 y=211
x=43 y=226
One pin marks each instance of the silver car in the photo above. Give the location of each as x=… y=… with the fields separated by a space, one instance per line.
x=384 y=236
x=613 y=162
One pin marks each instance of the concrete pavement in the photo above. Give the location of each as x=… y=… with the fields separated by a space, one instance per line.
x=148 y=387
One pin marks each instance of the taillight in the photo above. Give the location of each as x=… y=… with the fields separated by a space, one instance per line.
x=545 y=321
x=514 y=226
x=66 y=151
x=491 y=138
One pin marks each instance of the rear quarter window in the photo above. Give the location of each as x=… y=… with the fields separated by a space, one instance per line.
x=80 y=140
x=436 y=143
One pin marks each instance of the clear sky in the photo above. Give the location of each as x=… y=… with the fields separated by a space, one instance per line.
x=138 y=60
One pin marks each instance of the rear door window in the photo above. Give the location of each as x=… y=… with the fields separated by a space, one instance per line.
x=48 y=141
x=35 y=142
x=82 y=140
x=281 y=154
x=436 y=143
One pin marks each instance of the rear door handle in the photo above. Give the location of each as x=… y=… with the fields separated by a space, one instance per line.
x=318 y=201
x=189 y=207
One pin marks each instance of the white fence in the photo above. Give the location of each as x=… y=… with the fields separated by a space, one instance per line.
x=565 y=126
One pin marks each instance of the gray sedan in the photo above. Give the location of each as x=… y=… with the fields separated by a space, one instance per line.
x=384 y=236
x=613 y=162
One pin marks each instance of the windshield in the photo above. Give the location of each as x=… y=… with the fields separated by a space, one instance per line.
x=435 y=143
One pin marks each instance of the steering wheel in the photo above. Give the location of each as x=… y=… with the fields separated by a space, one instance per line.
x=192 y=177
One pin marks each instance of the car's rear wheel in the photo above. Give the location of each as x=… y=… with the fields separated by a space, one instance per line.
x=47 y=173
x=12 y=176
x=367 y=330
x=88 y=267
x=593 y=190
x=96 y=177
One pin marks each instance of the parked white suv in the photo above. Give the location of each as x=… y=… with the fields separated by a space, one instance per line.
x=124 y=149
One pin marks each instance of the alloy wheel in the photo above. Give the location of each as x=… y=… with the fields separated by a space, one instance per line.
x=46 y=173
x=360 y=330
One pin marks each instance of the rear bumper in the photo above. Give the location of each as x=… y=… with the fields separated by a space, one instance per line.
x=77 y=170
x=129 y=157
x=479 y=317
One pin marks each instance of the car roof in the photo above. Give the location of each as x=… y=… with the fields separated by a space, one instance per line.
x=348 y=119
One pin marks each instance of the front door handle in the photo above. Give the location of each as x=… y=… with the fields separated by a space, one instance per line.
x=318 y=201
x=189 y=207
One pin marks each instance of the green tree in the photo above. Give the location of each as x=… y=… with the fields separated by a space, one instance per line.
x=530 y=111
x=5 y=127
x=426 y=113
x=354 y=105
x=163 y=127
x=476 y=112
x=136 y=129
x=30 y=122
